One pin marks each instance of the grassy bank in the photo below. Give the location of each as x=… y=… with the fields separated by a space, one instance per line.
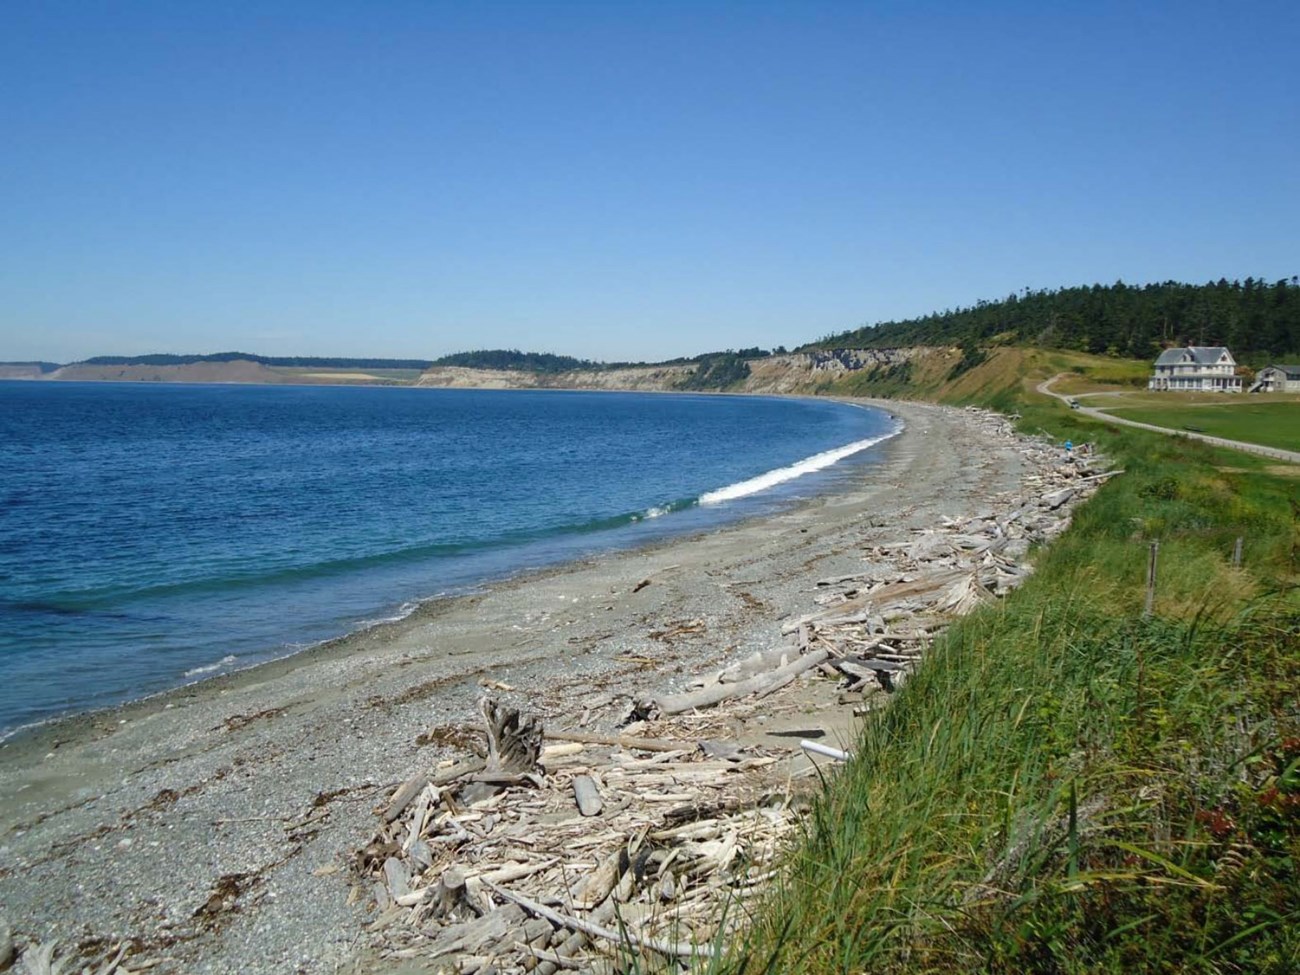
x=1003 y=376
x=1067 y=785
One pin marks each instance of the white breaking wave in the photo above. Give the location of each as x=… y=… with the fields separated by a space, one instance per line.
x=223 y=662
x=403 y=611
x=782 y=474
x=658 y=511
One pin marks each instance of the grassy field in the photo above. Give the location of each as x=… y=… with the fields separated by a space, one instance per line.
x=1267 y=422
x=1088 y=373
x=1067 y=786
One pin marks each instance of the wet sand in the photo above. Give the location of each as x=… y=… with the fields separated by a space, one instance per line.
x=258 y=786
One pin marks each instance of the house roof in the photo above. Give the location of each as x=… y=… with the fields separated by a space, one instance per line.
x=1202 y=355
x=1292 y=372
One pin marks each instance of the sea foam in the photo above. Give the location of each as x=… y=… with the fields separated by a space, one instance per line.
x=225 y=661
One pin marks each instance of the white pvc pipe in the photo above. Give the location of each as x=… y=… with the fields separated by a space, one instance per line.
x=814 y=748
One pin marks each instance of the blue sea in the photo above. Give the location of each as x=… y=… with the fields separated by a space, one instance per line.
x=153 y=535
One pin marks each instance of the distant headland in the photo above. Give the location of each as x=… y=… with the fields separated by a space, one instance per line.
x=1258 y=320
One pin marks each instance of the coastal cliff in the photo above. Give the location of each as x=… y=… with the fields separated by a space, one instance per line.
x=797 y=372
x=238 y=371
x=819 y=370
x=643 y=378
x=20 y=370
x=224 y=371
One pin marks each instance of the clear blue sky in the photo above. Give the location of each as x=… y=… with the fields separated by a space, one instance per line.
x=618 y=180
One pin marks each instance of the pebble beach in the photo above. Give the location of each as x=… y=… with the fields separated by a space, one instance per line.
x=215 y=828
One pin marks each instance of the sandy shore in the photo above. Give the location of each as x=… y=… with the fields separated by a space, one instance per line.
x=124 y=824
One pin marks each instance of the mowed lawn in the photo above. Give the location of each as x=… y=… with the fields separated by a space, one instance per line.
x=1274 y=424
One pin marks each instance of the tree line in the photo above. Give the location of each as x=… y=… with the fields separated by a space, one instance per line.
x=515 y=361
x=717 y=364
x=1258 y=321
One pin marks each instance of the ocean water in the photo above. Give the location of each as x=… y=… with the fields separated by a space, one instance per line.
x=152 y=535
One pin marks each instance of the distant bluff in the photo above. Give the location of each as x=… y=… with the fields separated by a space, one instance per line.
x=812 y=371
x=797 y=372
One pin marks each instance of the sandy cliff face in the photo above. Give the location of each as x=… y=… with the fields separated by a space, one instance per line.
x=803 y=372
x=799 y=372
x=647 y=378
x=11 y=371
x=460 y=377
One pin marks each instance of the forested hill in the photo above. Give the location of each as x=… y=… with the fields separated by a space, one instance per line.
x=1256 y=320
x=288 y=362
x=513 y=359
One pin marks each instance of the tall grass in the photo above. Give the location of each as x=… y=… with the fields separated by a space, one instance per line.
x=1065 y=786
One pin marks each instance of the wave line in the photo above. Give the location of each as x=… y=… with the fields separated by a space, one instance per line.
x=808 y=465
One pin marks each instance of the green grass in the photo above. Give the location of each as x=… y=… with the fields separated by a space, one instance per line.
x=1114 y=372
x=1065 y=786
x=1269 y=424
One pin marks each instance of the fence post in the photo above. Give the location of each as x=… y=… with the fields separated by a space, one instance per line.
x=1236 y=553
x=1151 y=579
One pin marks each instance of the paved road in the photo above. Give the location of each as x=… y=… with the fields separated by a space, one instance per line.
x=1290 y=456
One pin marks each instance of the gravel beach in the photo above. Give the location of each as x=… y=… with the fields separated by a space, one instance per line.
x=211 y=827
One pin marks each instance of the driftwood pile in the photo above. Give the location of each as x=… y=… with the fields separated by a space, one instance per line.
x=874 y=624
x=579 y=854
x=565 y=856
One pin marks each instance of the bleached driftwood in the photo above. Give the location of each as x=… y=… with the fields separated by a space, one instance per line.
x=514 y=750
x=587 y=795
x=404 y=796
x=596 y=931
x=668 y=704
x=759 y=662
x=514 y=742
x=1054 y=499
x=622 y=741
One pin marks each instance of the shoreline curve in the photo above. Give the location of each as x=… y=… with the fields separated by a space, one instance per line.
x=159 y=800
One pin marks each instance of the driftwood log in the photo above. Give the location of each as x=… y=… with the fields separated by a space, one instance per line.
x=587 y=795
x=514 y=750
x=622 y=741
x=669 y=704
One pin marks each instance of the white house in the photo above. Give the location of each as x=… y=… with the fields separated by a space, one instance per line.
x=1197 y=367
x=1277 y=379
